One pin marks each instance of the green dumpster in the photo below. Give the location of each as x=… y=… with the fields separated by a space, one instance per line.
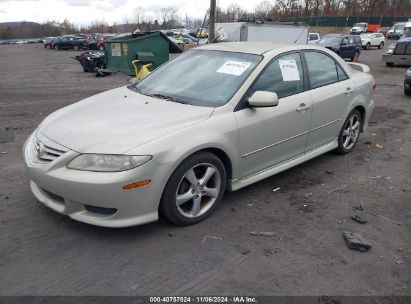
x=150 y=47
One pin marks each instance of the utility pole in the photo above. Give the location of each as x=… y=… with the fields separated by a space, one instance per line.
x=211 y=22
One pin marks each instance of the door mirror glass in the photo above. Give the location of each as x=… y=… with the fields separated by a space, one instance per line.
x=263 y=99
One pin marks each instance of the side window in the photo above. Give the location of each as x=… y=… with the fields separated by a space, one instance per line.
x=322 y=69
x=313 y=37
x=351 y=40
x=283 y=76
x=345 y=40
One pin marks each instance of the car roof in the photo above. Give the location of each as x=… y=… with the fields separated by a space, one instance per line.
x=257 y=48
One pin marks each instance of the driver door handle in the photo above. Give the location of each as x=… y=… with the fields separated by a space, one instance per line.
x=303 y=107
x=349 y=91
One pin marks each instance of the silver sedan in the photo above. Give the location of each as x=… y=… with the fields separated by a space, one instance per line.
x=218 y=117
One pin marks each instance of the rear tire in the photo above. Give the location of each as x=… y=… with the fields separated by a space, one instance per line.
x=350 y=132
x=56 y=47
x=194 y=190
x=381 y=46
x=76 y=48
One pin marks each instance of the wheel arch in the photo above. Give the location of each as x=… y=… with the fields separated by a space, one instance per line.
x=361 y=109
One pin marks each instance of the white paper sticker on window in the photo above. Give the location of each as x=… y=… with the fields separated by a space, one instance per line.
x=289 y=70
x=235 y=68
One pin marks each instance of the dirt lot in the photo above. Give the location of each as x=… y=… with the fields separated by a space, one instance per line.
x=44 y=253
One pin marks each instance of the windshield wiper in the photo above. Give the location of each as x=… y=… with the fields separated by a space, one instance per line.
x=166 y=97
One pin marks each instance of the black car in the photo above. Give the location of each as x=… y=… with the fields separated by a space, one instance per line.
x=69 y=43
x=347 y=46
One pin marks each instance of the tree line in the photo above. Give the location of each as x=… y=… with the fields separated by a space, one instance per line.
x=170 y=17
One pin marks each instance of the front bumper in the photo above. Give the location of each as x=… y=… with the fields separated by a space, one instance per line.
x=96 y=198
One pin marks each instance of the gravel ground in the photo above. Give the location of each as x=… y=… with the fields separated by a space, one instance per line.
x=44 y=253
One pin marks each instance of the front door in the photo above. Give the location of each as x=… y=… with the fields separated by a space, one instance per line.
x=270 y=136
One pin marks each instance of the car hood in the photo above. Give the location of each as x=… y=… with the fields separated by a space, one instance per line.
x=118 y=120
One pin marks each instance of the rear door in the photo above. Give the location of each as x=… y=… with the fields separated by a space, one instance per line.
x=331 y=91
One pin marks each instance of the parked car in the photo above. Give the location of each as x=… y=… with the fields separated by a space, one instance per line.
x=369 y=40
x=99 y=43
x=396 y=31
x=173 y=145
x=313 y=38
x=69 y=43
x=347 y=46
x=398 y=53
x=407 y=82
x=364 y=27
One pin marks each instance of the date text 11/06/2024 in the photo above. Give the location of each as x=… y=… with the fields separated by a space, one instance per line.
x=206 y=299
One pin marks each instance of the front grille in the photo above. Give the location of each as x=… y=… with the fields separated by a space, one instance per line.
x=41 y=152
x=100 y=210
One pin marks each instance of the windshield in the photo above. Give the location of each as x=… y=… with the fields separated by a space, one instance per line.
x=398 y=27
x=203 y=78
x=330 y=40
x=359 y=25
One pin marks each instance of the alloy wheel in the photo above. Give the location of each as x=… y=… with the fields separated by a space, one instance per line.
x=198 y=190
x=351 y=131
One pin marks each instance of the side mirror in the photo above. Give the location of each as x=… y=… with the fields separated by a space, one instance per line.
x=263 y=99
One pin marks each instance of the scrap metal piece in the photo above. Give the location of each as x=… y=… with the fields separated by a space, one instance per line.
x=356 y=241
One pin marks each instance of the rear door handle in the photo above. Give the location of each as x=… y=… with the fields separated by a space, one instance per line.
x=303 y=107
x=349 y=91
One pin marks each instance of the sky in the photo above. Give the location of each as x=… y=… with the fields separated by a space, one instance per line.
x=81 y=11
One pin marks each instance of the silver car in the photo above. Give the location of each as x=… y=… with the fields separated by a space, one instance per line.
x=218 y=117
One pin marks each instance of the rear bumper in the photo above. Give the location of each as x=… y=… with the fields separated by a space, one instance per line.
x=94 y=197
x=368 y=114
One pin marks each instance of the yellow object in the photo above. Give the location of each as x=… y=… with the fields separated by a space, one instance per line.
x=144 y=71
x=137 y=184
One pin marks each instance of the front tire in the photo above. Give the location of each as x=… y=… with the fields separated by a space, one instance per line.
x=350 y=132
x=76 y=48
x=367 y=46
x=194 y=190
x=381 y=46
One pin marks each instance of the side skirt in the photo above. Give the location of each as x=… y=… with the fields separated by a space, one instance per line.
x=234 y=185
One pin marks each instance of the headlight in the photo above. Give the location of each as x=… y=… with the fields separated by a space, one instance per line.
x=107 y=163
x=408 y=73
x=390 y=51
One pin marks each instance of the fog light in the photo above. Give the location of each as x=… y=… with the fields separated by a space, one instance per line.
x=137 y=184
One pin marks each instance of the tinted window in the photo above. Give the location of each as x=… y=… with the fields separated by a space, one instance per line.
x=351 y=39
x=283 y=76
x=345 y=40
x=322 y=69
